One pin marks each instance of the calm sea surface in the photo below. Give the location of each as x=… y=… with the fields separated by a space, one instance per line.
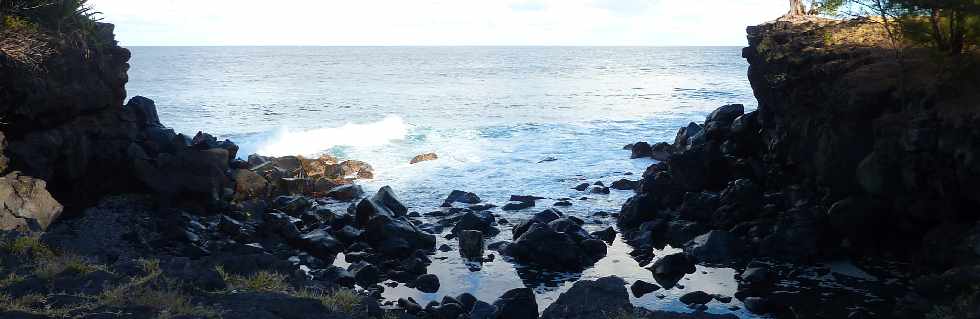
x=492 y=114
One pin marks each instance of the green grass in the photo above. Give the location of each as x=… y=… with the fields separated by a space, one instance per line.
x=152 y=290
x=340 y=300
x=262 y=281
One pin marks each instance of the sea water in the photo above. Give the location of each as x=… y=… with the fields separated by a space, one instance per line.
x=492 y=114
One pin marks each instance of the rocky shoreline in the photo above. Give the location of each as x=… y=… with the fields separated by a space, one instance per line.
x=160 y=223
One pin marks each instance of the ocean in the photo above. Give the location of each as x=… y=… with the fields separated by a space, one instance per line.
x=492 y=114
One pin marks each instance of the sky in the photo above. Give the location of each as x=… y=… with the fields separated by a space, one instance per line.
x=436 y=22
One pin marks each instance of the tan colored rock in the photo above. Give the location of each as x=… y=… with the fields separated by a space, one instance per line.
x=249 y=184
x=351 y=169
x=317 y=168
x=424 y=157
x=26 y=204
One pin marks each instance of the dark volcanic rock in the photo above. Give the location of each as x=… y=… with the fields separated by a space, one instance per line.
x=717 y=246
x=458 y=196
x=481 y=221
x=624 y=184
x=671 y=268
x=517 y=304
x=602 y=298
x=365 y=273
x=427 y=283
x=471 y=244
x=558 y=245
x=517 y=205
x=397 y=237
x=606 y=235
x=641 y=288
x=696 y=297
x=641 y=149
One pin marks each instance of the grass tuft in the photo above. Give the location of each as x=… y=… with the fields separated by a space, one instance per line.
x=262 y=281
x=340 y=300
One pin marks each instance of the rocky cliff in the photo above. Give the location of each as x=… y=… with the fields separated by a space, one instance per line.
x=856 y=150
x=61 y=101
x=890 y=139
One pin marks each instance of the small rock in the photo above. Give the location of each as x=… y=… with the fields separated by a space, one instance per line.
x=424 y=157
x=624 y=184
x=458 y=196
x=581 y=187
x=427 y=283
x=598 y=189
x=641 y=149
x=640 y=288
x=696 y=297
x=517 y=206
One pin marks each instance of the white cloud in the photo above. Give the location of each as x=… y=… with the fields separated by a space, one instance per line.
x=436 y=22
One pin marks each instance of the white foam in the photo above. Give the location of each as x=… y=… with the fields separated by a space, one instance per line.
x=312 y=142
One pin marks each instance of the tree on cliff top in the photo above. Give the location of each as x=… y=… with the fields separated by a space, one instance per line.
x=56 y=15
x=949 y=26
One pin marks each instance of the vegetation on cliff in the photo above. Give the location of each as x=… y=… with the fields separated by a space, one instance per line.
x=950 y=26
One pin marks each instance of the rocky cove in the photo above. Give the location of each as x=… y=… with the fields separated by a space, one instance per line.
x=844 y=195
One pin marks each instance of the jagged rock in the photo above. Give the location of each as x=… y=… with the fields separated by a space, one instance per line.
x=641 y=149
x=517 y=304
x=696 y=298
x=560 y=245
x=671 y=268
x=458 y=196
x=598 y=189
x=624 y=184
x=346 y=192
x=641 y=288
x=717 y=246
x=471 y=244
x=26 y=204
x=321 y=244
x=424 y=157
x=397 y=236
x=725 y=114
x=365 y=273
x=384 y=203
x=689 y=135
x=480 y=221
x=196 y=172
x=517 y=206
x=606 y=235
x=524 y=198
x=249 y=185
x=545 y=216
x=603 y=298
x=661 y=151
x=350 y=169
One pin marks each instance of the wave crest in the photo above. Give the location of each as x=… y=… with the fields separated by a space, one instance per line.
x=312 y=142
